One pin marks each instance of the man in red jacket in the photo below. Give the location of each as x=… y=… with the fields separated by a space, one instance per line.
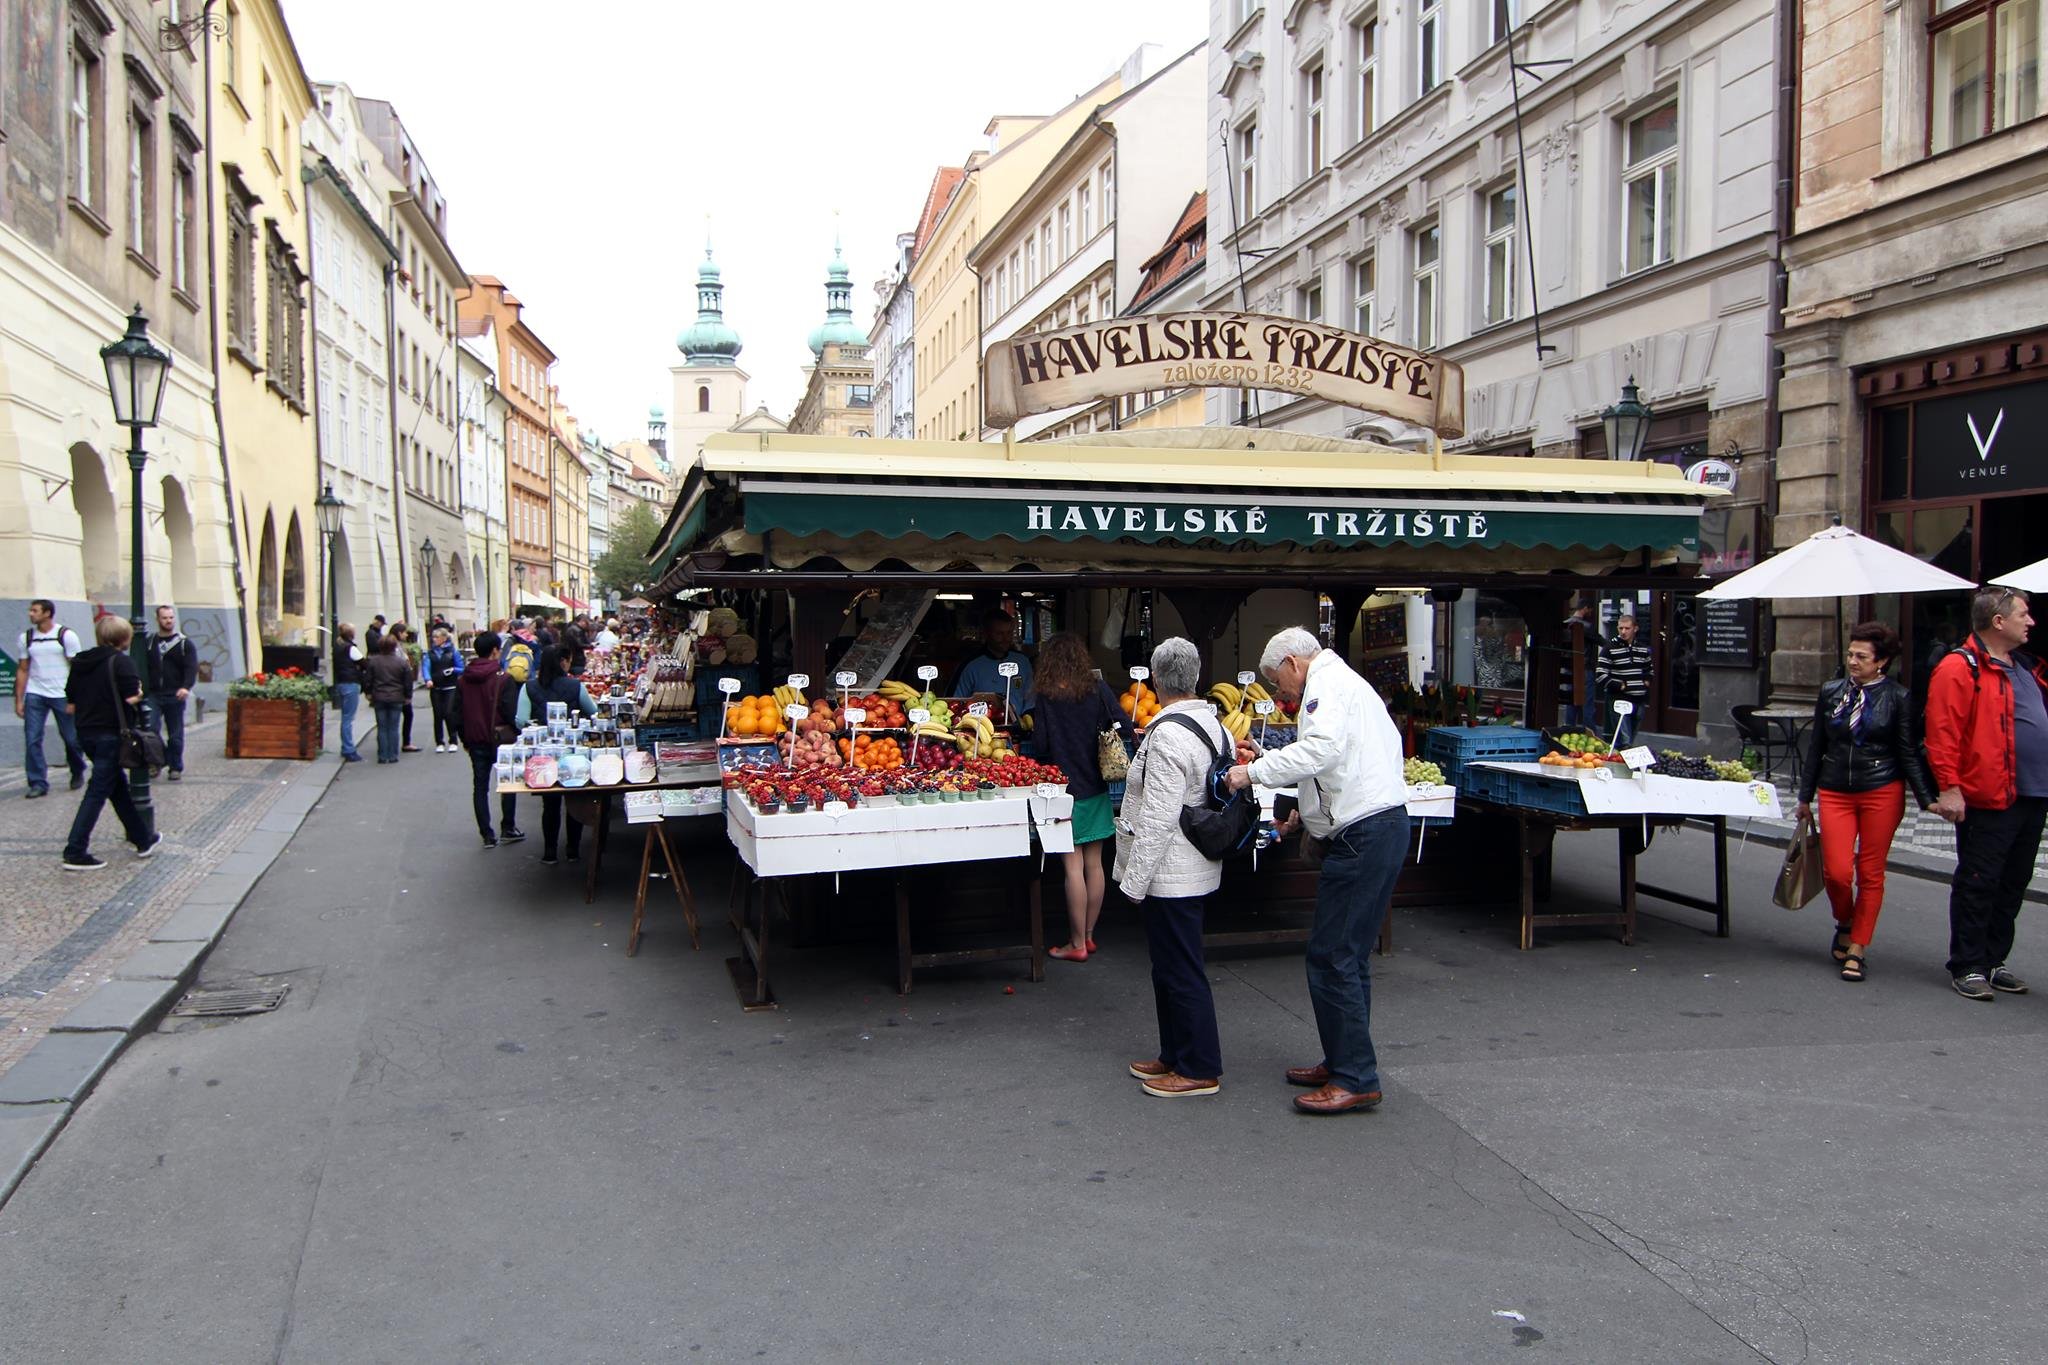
x=1987 y=745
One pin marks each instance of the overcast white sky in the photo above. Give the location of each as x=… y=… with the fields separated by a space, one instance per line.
x=581 y=147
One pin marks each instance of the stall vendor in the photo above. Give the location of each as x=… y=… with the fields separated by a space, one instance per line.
x=999 y=646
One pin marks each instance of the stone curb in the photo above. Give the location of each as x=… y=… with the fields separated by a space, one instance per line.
x=39 y=1093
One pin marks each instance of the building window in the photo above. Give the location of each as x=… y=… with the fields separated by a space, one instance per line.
x=860 y=395
x=1084 y=210
x=1986 y=57
x=1649 y=188
x=1066 y=232
x=1031 y=261
x=1363 y=282
x=1500 y=255
x=1105 y=301
x=1107 y=176
x=1429 y=46
x=231 y=44
x=1312 y=118
x=1365 y=65
x=184 y=224
x=284 y=320
x=1500 y=18
x=1045 y=244
x=1017 y=276
x=241 y=301
x=1248 y=167
x=703 y=398
x=1428 y=244
x=83 y=116
x=1308 y=301
x=141 y=183
x=1002 y=289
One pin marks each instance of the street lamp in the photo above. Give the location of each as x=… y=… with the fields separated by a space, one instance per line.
x=327 y=508
x=427 y=559
x=136 y=370
x=1627 y=424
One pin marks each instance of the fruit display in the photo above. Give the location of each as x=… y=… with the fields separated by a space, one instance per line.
x=1237 y=708
x=810 y=785
x=814 y=747
x=1140 y=703
x=1580 y=760
x=1583 y=744
x=1671 y=763
x=1417 y=773
x=750 y=716
x=884 y=712
x=872 y=753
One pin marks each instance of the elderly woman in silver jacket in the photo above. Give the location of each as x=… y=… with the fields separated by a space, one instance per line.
x=1169 y=878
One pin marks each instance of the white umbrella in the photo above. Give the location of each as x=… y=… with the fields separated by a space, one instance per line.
x=1837 y=562
x=2032 y=579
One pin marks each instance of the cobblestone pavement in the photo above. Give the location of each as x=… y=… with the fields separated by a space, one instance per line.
x=61 y=934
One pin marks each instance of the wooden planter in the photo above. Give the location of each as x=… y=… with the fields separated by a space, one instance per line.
x=262 y=728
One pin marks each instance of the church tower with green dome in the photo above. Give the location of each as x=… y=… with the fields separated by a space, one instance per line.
x=839 y=383
x=710 y=388
x=838 y=324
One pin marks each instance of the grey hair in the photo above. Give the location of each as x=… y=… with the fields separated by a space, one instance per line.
x=1993 y=602
x=1291 y=643
x=1176 y=667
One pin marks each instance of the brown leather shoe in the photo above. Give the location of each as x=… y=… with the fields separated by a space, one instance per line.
x=1308 y=1075
x=1173 y=1086
x=1149 y=1071
x=1335 y=1099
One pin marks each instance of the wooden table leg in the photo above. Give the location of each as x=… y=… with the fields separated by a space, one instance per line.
x=1720 y=876
x=902 y=934
x=682 y=887
x=1528 y=882
x=1628 y=885
x=640 y=893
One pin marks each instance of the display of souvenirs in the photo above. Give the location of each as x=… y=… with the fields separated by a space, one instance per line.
x=541 y=771
x=639 y=766
x=573 y=768
x=607 y=768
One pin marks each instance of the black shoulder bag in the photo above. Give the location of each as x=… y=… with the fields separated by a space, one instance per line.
x=139 y=748
x=1223 y=825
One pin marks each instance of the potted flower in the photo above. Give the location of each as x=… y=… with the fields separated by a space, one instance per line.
x=276 y=715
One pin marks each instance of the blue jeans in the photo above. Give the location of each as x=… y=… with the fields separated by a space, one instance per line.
x=109 y=783
x=390 y=715
x=164 y=712
x=1352 y=895
x=34 y=709
x=1180 y=987
x=350 y=696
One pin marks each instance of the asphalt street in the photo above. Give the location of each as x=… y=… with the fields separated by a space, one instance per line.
x=476 y=1130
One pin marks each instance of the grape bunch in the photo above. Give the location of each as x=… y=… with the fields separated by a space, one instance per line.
x=1420 y=774
x=1672 y=763
x=1730 y=771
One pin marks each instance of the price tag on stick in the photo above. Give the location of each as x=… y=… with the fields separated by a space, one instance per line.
x=1139 y=673
x=727 y=686
x=799 y=681
x=927 y=672
x=1262 y=709
x=979 y=708
x=844 y=681
x=1622 y=709
x=1006 y=670
x=854 y=715
x=1246 y=678
x=918 y=716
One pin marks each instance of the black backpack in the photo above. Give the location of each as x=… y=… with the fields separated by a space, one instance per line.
x=1225 y=823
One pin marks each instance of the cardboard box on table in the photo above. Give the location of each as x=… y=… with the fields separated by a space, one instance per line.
x=858 y=838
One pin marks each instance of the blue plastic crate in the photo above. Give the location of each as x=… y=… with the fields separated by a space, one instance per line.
x=1522 y=789
x=1451 y=747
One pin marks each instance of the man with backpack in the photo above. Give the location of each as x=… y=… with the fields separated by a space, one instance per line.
x=1987 y=746
x=521 y=651
x=484 y=694
x=173 y=669
x=1347 y=766
x=46 y=650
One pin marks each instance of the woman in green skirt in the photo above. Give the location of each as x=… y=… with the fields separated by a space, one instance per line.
x=1071 y=707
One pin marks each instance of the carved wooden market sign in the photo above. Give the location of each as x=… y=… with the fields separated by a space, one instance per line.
x=1045 y=371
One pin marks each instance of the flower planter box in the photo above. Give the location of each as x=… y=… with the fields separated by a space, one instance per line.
x=260 y=727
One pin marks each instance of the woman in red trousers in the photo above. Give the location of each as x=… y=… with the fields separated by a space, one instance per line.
x=1862 y=753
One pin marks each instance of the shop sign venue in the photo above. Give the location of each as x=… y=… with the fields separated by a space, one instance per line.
x=1046 y=371
x=1303 y=526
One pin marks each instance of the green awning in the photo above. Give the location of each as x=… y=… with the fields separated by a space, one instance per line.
x=1338 y=520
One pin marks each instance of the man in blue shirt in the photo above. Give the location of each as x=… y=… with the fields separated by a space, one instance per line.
x=999 y=646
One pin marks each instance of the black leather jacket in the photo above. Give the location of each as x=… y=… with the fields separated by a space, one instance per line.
x=1888 y=750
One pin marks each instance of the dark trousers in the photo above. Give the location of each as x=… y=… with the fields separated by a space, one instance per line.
x=483 y=773
x=1352 y=896
x=164 y=712
x=1180 y=987
x=447 y=715
x=405 y=710
x=551 y=826
x=108 y=784
x=1995 y=852
x=387 y=731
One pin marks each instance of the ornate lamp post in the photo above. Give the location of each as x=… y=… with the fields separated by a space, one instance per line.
x=1627 y=424
x=428 y=558
x=328 y=508
x=136 y=371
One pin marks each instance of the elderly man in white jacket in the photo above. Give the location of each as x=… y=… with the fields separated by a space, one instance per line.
x=1161 y=871
x=1348 y=767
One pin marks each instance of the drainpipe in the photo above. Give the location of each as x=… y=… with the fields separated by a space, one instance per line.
x=391 y=403
x=307 y=175
x=1785 y=43
x=213 y=326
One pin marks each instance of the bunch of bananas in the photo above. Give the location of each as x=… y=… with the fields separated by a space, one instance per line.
x=789 y=696
x=1237 y=724
x=1234 y=706
x=977 y=737
x=901 y=692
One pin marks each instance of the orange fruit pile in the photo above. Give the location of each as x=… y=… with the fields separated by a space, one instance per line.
x=872 y=753
x=753 y=716
x=1140 y=703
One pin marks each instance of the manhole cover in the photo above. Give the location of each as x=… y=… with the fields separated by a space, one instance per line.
x=231 y=1000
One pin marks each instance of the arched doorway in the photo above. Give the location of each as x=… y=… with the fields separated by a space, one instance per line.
x=479 y=583
x=266 y=575
x=294 y=570
x=344 y=569
x=178 y=534
x=99 y=528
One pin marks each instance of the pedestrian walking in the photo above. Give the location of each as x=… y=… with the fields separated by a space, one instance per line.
x=1347 y=764
x=1987 y=744
x=1863 y=752
x=173 y=669
x=1624 y=675
x=1578 y=694
x=1163 y=873
x=374 y=633
x=1072 y=708
x=46 y=651
x=104 y=693
x=389 y=676
x=415 y=659
x=482 y=688
x=348 y=687
x=443 y=668
x=551 y=682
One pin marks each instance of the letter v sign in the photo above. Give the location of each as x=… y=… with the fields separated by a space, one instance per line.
x=1984 y=442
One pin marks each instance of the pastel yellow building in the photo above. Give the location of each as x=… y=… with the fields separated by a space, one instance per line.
x=260 y=97
x=947 y=331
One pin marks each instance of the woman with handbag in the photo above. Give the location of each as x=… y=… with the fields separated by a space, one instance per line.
x=389 y=675
x=1160 y=869
x=1078 y=725
x=1863 y=751
x=102 y=695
